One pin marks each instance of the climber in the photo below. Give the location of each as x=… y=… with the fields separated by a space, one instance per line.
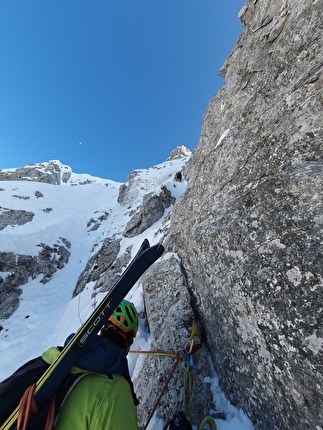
x=178 y=177
x=104 y=397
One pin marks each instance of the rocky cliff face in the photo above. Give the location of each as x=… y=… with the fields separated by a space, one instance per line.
x=249 y=227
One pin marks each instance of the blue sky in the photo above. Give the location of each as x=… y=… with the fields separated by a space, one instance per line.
x=108 y=86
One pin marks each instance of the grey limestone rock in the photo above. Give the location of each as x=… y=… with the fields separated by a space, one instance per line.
x=151 y=210
x=104 y=267
x=49 y=172
x=14 y=217
x=170 y=318
x=19 y=268
x=249 y=227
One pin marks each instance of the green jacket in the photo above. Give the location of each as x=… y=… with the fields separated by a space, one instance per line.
x=97 y=402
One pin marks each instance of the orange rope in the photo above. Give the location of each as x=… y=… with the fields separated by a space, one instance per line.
x=50 y=419
x=27 y=406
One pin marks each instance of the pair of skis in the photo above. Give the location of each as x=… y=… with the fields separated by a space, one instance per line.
x=54 y=375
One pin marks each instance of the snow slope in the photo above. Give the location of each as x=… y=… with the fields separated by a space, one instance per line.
x=47 y=314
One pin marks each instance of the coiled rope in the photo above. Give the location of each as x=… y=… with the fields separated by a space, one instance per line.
x=28 y=407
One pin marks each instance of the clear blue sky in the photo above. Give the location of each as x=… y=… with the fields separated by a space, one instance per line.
x=108 y=86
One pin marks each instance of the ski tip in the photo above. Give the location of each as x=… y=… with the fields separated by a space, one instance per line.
x=145 y=244
x=160 y=248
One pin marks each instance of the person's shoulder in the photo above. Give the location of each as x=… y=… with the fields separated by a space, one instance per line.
x=115 y=385
x=111 y=380
x=101 y=389
x=95 y=388
x=99 y=380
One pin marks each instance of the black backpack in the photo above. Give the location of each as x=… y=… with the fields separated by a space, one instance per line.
x=13 y=388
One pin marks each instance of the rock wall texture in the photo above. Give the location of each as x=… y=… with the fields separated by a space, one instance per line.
x=104 y=267
x=20 y=268
x=171 y=317
x=249 y=227
x=151 y=210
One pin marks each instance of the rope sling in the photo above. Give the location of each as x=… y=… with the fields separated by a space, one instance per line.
x=186 y=355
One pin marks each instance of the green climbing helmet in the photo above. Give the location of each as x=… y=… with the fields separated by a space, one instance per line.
x=125 y=317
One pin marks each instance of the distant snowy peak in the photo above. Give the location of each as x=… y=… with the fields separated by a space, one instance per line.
x=179 y=152
x=50 y=172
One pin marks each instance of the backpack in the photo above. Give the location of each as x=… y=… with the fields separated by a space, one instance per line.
x=178 y=176
x=100 y=356
x=13 y=388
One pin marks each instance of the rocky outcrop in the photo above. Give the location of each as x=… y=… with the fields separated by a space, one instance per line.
x=14 y=217
x=94 y=223
x=50 y=173
x=103 y=268
x=249 y=227
x=170 y=319
x=150 y=211
x=17 y=269
x=125 y=191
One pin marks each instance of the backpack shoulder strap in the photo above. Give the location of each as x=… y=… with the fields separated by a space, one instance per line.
x=65 y=389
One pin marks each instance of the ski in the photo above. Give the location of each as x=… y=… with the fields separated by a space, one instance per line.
x=54 y=375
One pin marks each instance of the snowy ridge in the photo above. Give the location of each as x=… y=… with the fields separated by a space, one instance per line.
x=62 y=211
x=142 y=182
